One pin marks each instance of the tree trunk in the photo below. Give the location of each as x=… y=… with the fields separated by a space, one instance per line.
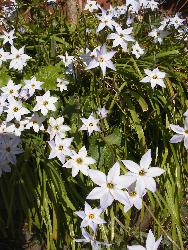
x=72 y=11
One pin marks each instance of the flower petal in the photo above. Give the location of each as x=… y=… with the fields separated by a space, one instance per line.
x=96 y=193
x=146 y=160
x=97 y=177
x=176 y=138
x=131 y=165
x=113 y=173
x=177 y=129
x=155 y=171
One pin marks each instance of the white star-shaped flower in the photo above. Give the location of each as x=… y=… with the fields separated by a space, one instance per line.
x=91 y=6
x=35 y=122
x=110 y=186
x=11 y=89
x=8 y=37
x=90 y=124
x=137 y=50
x=121 y=37
x=135 y=198
x=18 y=58
x=87 y=238
x=102 y=59
x=16 y=128
x=143 y=174
x=158 y=35
x=45 y=103
x=60 y=148
x=106 y=20
x=102 y=112
x=79 y=162
x=155 y=77
x=15 y=110
x=62 y=84
x=151 y=244
x=32 y=85
x=91 y=217
x=57 y=128
x=182 y=133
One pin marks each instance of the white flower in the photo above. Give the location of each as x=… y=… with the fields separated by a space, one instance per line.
x=143 y=174
x=165 y=23
x=62 y=84
x=151 y=4
x=90 y=124
x=60 y=148
x=68 y=61
x=176 y=21
x=3 y=56
x=154 y=77
x=35 y=122
x=18 y=58
x=137 y=50
x=158 y=35
x=121 y=37
x=16 y=128
x=102 y=112
x=91 y=217
x=106 y=21
x=90 y=239
x=8 y=37
x=9 y=148
x=151 y=244
x=182 y=133
x=11 y=90
x=15 y=110
x=103 y=60
x=110 y=186
x=45 y=103
x=57 y=128
x=135 y=198
x=91 y=5
x=79 y=162
x=134 y=6
x=32 y=85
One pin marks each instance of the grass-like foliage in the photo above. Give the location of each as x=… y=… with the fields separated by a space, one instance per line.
x=117 y=81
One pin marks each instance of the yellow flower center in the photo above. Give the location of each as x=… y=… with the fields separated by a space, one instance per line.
x=101 y=59
x=142 y=172
x=154 y=77
x=17 y=125
x=45 y=103
x=110 y=185
x=11 y=91
x=186 y=131
x=15 y=109
x=33 y=85
x=91 y=216
x=79 y=160
x=91 y=124
x=132 y=194
x=56 y=127
x=60 y=147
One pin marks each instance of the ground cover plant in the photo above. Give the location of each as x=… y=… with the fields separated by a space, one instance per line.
x=94 y=127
